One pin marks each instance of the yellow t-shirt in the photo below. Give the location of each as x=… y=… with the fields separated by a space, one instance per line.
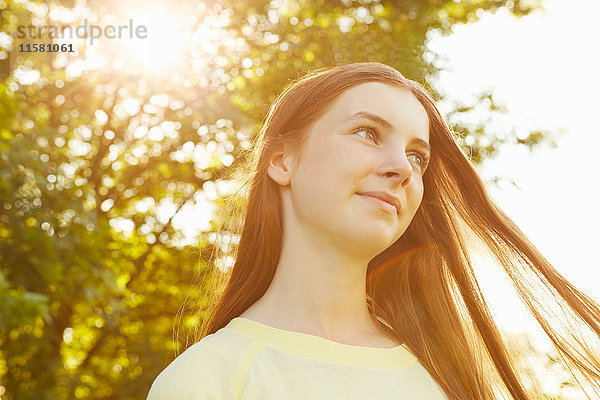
x=247 y=360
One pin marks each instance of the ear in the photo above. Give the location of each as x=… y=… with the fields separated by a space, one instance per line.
x=281 y=165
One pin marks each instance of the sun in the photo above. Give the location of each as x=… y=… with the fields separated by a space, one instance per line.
x=165 y=44
x=177 y=40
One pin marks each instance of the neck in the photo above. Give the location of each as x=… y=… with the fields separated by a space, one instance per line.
x=318 y=289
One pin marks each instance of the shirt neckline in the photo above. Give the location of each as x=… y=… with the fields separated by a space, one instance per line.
x=325 y=349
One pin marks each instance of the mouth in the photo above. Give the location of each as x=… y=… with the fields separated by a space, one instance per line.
x=381 y=203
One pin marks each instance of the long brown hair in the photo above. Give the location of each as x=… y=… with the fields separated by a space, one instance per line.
x=423 y=286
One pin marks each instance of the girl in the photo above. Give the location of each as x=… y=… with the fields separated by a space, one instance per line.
x=353 y=278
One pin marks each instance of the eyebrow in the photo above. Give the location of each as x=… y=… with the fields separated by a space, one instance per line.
x=378 y=120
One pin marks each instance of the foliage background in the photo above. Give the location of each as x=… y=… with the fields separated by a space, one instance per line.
x=99 y=161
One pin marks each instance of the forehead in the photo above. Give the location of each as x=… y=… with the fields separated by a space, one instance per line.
x=396 y=105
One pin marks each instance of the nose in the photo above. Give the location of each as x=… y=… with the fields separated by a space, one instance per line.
x=398 y=168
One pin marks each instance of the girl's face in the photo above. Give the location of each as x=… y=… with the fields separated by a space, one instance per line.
x=373 y=138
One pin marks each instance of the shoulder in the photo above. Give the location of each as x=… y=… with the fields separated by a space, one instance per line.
x=206 y=370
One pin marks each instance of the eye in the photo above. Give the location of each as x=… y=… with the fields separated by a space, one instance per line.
x=369 y=129
x=423 y=159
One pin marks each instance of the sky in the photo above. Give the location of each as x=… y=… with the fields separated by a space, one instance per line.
x=544 y=68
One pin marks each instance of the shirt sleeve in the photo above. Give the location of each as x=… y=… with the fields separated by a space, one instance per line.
x=200 y=372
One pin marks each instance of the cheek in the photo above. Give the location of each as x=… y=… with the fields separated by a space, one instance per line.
x=317 y=177
x=414 y=195
x=337 y=164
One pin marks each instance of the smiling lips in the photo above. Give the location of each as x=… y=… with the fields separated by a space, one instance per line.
x=383 y=198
